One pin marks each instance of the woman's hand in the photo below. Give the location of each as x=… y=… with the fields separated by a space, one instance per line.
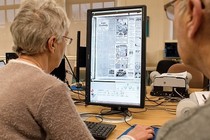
x=142 y=132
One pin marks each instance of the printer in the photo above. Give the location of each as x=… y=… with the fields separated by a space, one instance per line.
x=170 y=84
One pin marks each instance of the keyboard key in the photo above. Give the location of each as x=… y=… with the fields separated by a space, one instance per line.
x=100 y=131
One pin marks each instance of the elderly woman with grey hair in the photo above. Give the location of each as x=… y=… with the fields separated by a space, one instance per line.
x=34 y=104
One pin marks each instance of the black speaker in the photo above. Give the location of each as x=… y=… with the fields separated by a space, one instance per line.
x=78 y=58
x=10 y=55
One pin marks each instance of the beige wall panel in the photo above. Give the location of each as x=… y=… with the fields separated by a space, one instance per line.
x=6 y=42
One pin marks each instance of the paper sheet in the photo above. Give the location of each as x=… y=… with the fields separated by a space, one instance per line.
x=180 y=75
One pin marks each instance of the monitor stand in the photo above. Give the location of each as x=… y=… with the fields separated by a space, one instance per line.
x=115 y=115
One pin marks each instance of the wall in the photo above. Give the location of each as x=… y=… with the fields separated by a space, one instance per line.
x=158 y=25
x=6 y=42
x=159 y=31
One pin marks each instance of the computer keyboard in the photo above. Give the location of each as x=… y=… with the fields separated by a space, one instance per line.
x=100 y=131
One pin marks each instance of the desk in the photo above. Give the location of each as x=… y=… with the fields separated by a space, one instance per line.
x=150 y=117
x=153 y=116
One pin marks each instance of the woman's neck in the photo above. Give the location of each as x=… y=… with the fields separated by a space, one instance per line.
x=32 y=60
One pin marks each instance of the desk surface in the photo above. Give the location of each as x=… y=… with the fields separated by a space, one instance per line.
x=152 y=116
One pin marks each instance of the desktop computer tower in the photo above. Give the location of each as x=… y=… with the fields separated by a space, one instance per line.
x=10 y=55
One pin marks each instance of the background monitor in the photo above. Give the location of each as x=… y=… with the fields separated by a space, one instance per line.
x=60 y=72
x=81 y=65
x=10 y=55
x=116 y=49
x=170 y=49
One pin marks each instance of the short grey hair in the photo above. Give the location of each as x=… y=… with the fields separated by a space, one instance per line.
x=35 y=23
x=182 y=7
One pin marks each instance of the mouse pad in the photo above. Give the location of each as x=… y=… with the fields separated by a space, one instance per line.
x=130 y=128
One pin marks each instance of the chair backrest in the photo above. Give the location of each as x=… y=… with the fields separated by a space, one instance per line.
x=197 y=80
x=164 y=65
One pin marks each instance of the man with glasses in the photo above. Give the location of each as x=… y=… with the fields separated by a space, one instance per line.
x=34 y=104
x=192 y=25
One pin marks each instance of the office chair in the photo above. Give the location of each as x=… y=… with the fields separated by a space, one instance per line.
x=164 y=65
x=198 y=79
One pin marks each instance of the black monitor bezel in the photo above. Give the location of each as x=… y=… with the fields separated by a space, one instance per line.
x=143 y=57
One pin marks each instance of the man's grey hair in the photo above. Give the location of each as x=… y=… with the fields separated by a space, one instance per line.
x=35 y=23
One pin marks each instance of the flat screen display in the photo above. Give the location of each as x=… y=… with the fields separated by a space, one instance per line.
x=171 y=51
x=115 y=64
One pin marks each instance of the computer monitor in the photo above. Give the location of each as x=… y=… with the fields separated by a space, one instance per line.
x=170 y=49
x=116 y=51
x=10 y=55
x=60 y=71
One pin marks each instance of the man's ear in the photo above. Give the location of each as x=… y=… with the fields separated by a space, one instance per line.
x=195 y=20
x=51 y=43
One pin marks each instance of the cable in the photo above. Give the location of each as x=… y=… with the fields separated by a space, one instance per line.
x=78 y=85
x=206 y=87
x=88 y=115
x=144 y=110
x=163 y=104
x=125 y=115
x=72 y=72
x=178 y=93
x=69 y=72
x=76 y=100
x=156 y=101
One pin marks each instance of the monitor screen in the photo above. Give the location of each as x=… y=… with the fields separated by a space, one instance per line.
x=115 y=68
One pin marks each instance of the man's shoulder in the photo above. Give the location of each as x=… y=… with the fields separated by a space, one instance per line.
x=186 y=127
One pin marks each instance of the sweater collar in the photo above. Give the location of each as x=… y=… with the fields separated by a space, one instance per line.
x=24 y=62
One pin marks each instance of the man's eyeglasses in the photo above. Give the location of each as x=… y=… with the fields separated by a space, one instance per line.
x=68 y=40
x=169 y=8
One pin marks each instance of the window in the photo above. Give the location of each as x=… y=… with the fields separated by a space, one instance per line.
x=77 y=9
x=77 y=13
x=8 y=10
